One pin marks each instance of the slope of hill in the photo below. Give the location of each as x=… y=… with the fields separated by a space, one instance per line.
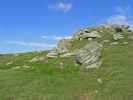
x=38 y=76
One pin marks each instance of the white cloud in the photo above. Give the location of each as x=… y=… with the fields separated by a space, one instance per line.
x=60 y=6
x=118 y=20
x=122 y=17
x=56 y=38
x=32 y=44
x=122 y=10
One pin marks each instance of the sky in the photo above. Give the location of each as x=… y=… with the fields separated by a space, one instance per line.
x=34 y=25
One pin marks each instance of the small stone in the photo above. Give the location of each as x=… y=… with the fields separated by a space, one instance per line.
x=114 y=43
x=9 y=63
x=34 y=60
x=89 y=39
x=76 y=64
x=80 y=39
x=106 y=41
x=96 y=91
x=27 y=67
x=52 y=54
x=125 y=43
x=17 y=67
x=99 y=80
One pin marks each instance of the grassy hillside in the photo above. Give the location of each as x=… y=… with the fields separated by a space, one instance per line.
x=45 y=80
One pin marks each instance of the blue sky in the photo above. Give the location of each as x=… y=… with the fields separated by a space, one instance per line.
x=29 y=25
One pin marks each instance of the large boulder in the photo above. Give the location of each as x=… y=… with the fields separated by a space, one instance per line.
x=93 y=34
x=85 y=33
x=63 y=46
x=90 y=55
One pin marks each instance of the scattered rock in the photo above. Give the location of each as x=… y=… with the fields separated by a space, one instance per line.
x=52 y=54
x=99 y=80
x=118 y=36
x=90 y=39
x=9 y=63
x=17 y=67
x=36 y=59
x=125 y=43
x=96 y=91
x=106 y=41
x=89 y=56
x=66 y=55
x=114 y=43
x=27 y=67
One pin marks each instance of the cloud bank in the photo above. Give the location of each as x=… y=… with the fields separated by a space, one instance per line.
x=55 y=38
x=60 y=6
x=122 y=17
x=38 y=45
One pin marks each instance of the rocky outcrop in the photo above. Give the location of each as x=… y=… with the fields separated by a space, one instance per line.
x=90 y=55
x=85 y=34
x=63 y=46
x=93 y=34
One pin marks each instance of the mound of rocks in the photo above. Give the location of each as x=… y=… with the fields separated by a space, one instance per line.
x=90 y=55
x=85 y=34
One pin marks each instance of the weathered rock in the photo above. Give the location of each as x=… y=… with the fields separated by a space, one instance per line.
x=16 y=67
x=118 y=36
x=93 y=34
x=66 y=55
x=26 y=66
x=36 y=59
x=89 y=56
x=52 y=54
x=99 y=80
x=106 y=41
x=9 y=63
x=83 y=34
x=114 y=43
x=89 y=39
x=63 y=46
x=125 y=43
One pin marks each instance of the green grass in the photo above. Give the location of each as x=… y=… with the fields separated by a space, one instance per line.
x=46 y=81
